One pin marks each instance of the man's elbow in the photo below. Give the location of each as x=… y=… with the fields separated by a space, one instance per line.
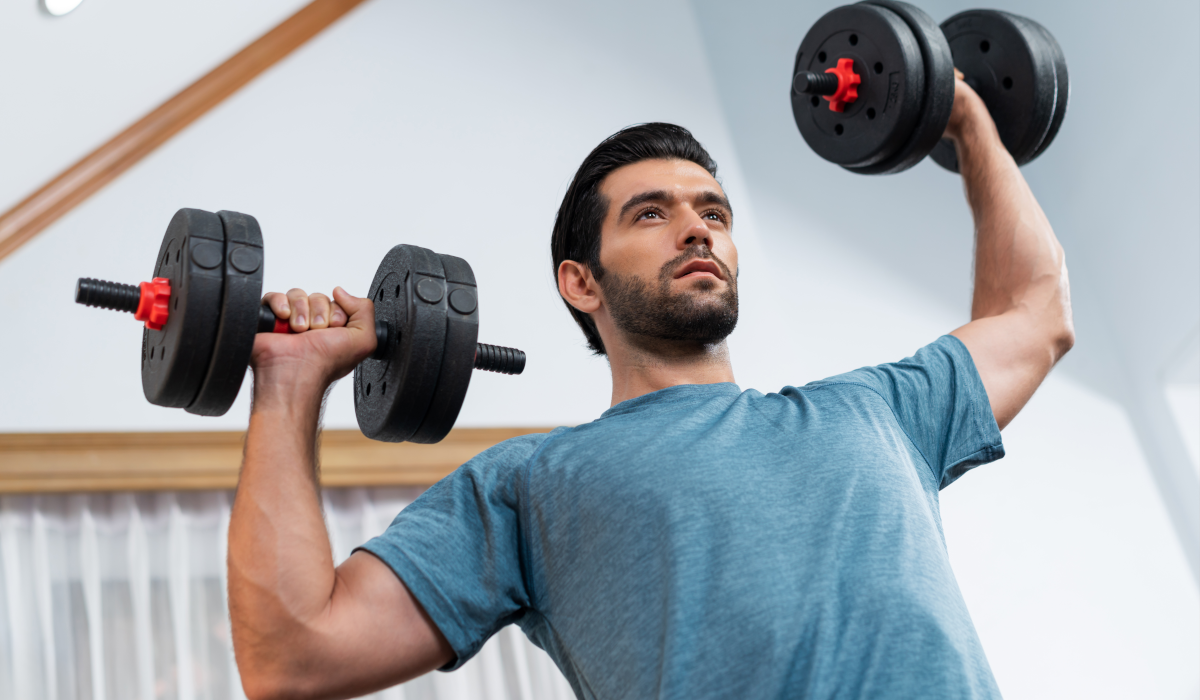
x=275 y=672
x=1064 y=339
x=268 y=685
x=259 y=686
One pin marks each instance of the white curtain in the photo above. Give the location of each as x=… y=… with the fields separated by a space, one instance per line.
x=121 y=596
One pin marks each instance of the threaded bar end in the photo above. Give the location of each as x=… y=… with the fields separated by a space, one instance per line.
x=495 y=358
x=107 y=295
x=808 y=83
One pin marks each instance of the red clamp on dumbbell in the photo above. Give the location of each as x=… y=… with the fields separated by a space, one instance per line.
x=839 y=84
x=847 y=87
x=154 y=303
x=149 y=301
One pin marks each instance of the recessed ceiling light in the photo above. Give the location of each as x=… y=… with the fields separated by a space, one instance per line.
x=59 y=7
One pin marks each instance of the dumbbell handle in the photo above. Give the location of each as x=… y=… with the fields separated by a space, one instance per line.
x=136 y=299
x=492 y=358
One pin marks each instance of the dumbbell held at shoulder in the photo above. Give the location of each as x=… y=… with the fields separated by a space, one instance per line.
x=203 y=322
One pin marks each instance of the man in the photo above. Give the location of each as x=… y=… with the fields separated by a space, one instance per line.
x=696 y=540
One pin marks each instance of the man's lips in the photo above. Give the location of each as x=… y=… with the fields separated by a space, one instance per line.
x=699 y=267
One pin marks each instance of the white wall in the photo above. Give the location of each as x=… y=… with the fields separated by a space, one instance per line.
x=1067 y=558
x=458 y=125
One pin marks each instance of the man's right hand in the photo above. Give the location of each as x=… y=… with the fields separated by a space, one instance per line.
x=970 y=114
x=328 y=339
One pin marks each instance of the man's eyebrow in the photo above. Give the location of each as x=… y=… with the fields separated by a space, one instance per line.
x=710 y=197
x=705 y=197
x=651 y=196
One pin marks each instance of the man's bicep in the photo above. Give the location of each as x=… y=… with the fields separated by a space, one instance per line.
x=376 y=634
x=1011 y=357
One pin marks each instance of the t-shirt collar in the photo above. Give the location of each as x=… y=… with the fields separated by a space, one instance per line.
x=673 y=394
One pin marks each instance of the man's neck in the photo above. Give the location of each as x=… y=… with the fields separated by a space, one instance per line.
x=641 y=369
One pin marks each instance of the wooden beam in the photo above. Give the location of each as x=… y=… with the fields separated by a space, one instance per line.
x=56 y=462
x=106 y=163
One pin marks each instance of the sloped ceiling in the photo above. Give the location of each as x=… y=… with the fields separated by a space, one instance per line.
x=71 y=83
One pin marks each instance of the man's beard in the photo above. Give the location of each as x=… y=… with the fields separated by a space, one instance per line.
x=652 y=312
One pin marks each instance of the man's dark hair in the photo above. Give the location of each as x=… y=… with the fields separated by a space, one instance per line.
x=576 y=234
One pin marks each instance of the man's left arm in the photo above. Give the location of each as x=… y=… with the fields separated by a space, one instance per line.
x=1021 y=309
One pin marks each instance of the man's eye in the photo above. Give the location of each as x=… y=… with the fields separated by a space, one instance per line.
x=649 y=213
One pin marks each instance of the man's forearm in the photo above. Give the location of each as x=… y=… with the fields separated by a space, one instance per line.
x=281 y=573
x=1019 y=264
x=1020 y=311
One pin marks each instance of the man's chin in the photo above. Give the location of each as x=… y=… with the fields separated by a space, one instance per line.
x=703 y=300
x=699 y=284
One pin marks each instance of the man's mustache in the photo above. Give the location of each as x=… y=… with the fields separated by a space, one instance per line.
x=693 y=252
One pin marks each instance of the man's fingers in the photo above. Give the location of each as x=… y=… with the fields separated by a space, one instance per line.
x=319 y=308
x=361 y=315
x=361 y=312
x=306 y=312
x=300 y=316
x=337 y=317
x=958 y=75
x=279 y=304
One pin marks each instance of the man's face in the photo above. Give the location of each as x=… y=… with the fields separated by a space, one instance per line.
x=669 y=263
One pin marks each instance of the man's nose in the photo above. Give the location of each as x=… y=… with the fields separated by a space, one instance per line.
x=694 y=232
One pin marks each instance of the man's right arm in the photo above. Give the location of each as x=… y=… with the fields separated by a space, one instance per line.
x=301 y=627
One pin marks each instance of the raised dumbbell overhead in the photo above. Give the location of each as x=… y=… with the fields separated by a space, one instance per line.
x=202 y=310
x=873 y=83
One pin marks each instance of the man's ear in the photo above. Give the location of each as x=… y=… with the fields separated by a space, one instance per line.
x=578 y=287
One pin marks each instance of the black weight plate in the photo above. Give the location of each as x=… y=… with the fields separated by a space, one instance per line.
x=458 y=360
x=939 y=90
x=392 y=395
x=1009 y=64
x=888 y=59
x=1047 y=80
x=239 y=315
x=175 y=359
x=1063 y=85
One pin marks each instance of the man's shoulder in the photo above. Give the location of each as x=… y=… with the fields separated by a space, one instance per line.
x=497 y=468
x=941 y=356
x=512 y=452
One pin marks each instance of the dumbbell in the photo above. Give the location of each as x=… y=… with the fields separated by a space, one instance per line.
x=873 y=84
x=202 y=310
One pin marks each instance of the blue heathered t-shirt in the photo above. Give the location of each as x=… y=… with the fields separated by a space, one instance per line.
x=707 y=542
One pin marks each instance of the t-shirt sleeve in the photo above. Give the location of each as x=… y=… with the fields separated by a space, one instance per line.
x=939 y=400
x=457 y=547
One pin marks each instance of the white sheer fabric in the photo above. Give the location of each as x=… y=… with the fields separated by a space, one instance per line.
x=122 y=597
